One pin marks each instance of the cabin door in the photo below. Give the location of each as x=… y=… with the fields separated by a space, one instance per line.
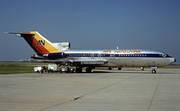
x=112 y=56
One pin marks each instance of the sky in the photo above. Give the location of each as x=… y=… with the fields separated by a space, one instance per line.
x=91 y=25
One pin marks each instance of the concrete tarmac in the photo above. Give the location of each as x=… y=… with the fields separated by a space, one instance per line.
x=126 y=90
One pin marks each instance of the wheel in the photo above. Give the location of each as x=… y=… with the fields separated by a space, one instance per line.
x=153 y=71
x=109 y=68
x=42 y=71
x=119 y=68
x=71 y=70
x=142 y=68
x=78 y=70
x=88 y=69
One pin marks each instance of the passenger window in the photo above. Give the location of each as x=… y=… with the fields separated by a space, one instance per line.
x=92 y=55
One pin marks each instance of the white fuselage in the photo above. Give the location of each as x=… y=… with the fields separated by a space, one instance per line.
x=120 y=58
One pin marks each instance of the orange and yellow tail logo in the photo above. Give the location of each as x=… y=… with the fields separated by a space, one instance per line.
x=40 y=44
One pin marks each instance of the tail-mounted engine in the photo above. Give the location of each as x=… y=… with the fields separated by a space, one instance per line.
x=54 y=55
x=49 y=56
x=62 y=45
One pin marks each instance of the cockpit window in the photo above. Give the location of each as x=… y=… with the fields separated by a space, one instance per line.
x=164 y=55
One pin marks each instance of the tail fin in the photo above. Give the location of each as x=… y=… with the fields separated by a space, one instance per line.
x=39 y=44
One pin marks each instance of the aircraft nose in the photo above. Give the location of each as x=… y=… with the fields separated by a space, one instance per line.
x=172 y=60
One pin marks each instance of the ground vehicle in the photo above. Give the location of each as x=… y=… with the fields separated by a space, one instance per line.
x=53 y=68
x=38 y=69
x=66 y=69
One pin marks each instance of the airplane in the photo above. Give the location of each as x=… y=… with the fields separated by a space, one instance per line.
x=61 y=53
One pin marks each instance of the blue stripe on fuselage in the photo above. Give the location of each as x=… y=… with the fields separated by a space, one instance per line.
x=114 y=55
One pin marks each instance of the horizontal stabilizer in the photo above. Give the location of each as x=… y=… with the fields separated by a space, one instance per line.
x=37 y=42
x=19 y=34
x=13 y=33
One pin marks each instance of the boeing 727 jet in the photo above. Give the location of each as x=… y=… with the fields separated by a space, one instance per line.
x=60 y=53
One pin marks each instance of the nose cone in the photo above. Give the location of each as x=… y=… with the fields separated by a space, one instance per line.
x=172 y=60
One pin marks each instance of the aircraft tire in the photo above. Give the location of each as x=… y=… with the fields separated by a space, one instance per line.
x=119 y=68
x=110 y=68
x=142 y=68
x=78 y=70
x=153 y=71
x=88 y=70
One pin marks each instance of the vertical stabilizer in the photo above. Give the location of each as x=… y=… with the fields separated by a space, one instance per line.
x=39 y=44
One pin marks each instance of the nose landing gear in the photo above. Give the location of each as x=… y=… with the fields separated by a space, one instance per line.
x=153 y=70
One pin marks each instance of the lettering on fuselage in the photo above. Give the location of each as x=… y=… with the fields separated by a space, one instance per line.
x=41 y=42
x=122 y=51
x=107 y=51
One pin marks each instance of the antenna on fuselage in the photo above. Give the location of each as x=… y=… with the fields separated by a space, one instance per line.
x=117 y=47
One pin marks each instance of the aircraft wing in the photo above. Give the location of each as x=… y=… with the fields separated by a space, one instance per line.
x=91 y=61
x=83 y=62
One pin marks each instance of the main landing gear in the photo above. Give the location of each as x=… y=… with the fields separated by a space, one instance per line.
x=79 y=69
x=110 y=68
x=119 y=68
x=142 y=68
x=88 y=69
x=153 y=71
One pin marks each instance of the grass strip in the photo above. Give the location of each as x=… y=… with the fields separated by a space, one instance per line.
x=14 y=68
